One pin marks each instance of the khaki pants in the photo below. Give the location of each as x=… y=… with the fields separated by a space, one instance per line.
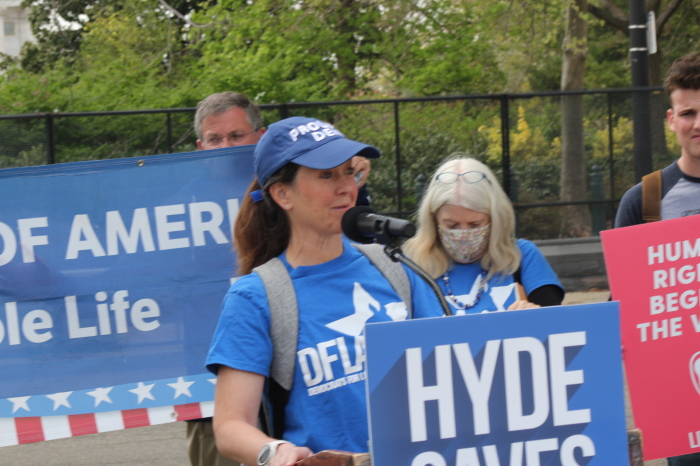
x=202 y=446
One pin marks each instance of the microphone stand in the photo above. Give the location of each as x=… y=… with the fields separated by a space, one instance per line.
x=393 y=250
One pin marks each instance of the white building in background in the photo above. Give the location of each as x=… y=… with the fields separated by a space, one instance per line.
x=16 y=29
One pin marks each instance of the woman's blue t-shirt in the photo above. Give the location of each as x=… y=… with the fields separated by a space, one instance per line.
x=500 y=289
x=327 y=403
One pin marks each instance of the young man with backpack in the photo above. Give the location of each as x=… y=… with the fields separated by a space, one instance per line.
x=674 y=191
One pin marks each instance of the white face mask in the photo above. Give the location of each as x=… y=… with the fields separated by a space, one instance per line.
x=465 y=246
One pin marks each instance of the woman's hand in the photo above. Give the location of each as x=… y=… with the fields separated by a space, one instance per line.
x=362 y=167
x=522 y=304
x=237 y=400
x=288 y=454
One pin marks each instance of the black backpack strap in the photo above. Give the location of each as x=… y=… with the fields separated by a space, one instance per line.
x=271 y=415
x=392 y=271
x=651 y=197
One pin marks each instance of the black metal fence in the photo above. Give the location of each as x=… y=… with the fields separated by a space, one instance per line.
x=517 y=135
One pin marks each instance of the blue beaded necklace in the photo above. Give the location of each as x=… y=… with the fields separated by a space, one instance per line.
x=483 y=285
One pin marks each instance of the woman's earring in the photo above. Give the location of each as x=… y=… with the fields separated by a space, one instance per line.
x=288 y=206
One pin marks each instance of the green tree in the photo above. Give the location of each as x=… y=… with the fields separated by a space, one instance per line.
x=129 y=58
x=438 y=47
x=283 y=51
x=59 y=26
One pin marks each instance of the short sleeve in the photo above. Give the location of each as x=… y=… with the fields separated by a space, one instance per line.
x=630 y=210
x=535 y=270
x=242 y=336
x=425 y=302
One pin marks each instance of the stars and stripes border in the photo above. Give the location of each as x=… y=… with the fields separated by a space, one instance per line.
x=21 y=430
x=150 y=394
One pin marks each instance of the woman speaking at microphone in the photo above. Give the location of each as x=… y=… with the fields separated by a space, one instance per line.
x=466 y=241
x=292 y=217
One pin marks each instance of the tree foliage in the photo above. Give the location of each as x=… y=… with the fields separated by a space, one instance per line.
x=281 y=51
x=300 y=50
x=142 y=54
x=439 y=47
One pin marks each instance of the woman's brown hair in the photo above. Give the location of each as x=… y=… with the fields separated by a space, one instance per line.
x=262 y=228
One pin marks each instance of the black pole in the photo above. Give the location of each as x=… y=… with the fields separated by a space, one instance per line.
x=641 y=107
x=397 y=136
x=505 y=144
x=50 y=149
x=170 y=133
x=611 y=144
x=611 y=208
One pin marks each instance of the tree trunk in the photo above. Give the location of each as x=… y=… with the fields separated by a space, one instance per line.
x=577 y=218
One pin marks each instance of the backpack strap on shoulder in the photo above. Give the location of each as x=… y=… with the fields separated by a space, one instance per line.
x=392 y=271
x=284 y=332
x=284 y=320
x=651 y=197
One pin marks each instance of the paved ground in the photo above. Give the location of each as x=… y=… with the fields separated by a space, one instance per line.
x=157 y=445
x=582 y=297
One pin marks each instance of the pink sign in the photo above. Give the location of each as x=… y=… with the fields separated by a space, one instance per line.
x=654 y=271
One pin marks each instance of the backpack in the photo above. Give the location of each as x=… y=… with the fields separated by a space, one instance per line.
x=651 y=197
x=284 y=328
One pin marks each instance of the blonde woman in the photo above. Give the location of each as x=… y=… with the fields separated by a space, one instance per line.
x=466 y=241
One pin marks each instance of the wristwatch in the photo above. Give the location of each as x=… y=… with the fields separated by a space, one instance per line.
x=267 y=452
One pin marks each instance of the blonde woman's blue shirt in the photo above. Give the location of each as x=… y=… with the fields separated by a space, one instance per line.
x=500 y=289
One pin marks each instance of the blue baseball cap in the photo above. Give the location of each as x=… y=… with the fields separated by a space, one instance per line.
x=307 y=142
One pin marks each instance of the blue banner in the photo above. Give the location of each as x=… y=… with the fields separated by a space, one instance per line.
x=112 y=274
x=535 y=387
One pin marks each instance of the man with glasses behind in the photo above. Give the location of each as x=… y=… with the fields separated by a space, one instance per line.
x=227 y=119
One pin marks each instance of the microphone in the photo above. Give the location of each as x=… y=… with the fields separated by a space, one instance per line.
x=362 y=225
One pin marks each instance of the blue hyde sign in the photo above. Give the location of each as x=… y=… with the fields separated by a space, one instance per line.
x=112 y=274
x=522 y=388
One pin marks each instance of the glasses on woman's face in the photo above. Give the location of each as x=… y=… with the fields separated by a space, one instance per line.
x=469 y=177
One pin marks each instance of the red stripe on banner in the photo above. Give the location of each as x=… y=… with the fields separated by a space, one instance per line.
x=82 y=424
x=188 y=411
x=135 y=418
x=29 y=429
